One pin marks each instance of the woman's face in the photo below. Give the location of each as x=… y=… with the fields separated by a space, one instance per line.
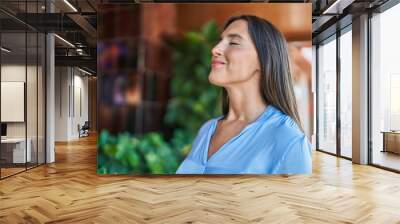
x=234 y=58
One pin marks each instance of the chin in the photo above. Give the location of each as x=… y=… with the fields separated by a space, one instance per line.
x=213 y=79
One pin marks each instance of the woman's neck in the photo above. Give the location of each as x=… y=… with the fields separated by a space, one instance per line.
x=245 y=104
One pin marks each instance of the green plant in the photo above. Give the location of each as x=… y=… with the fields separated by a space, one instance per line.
x=124 y=153
x=194 y=100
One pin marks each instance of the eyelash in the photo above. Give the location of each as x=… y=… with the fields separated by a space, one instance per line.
x=232 y=43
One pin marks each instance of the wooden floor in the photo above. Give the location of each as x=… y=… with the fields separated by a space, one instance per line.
x=70 y=191
x=10 y=171
x=388 y=159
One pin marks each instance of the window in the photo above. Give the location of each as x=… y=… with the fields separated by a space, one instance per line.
x=385 y=88
x=22 y=75
x=346 y=94
x=327 y=96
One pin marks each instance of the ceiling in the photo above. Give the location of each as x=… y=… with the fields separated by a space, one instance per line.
x=332 y=15
x=74 y=21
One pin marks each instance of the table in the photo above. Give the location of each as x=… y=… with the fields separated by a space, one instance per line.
x=391 y=141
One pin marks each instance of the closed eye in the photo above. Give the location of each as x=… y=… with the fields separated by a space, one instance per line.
x=233 y=43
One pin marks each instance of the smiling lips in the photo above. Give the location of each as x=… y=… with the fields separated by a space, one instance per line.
x=217 y=63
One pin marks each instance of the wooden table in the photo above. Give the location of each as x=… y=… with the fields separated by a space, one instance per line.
x=391 y=141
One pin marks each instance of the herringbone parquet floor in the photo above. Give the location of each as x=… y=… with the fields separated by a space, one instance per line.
x=70 y=191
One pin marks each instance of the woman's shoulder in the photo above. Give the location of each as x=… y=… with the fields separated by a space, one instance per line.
x=283 y=125
x=293 y=149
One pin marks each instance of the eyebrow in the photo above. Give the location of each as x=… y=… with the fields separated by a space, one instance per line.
x=234 y=35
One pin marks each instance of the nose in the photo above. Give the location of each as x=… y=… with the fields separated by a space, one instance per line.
x=217 y=50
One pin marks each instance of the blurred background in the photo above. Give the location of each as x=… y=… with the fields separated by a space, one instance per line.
x=152 y=74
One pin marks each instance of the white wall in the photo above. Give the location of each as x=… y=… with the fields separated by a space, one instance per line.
x=71 y=93
x=61 y=103
x=16 y=72
x=34 y=125
x=80 y=110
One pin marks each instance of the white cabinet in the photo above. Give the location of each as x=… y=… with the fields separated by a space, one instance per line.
x=18 y=149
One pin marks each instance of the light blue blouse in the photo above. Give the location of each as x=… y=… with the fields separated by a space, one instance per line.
x=272 y=144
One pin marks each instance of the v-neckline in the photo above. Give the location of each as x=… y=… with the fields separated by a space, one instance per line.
x=214 y=127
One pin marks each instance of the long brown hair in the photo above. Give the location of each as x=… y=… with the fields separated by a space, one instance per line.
x=276 y=80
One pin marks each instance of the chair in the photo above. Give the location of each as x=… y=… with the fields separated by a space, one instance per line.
x=84 y=130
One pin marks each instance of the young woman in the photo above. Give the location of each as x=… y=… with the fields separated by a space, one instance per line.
x=260 y=131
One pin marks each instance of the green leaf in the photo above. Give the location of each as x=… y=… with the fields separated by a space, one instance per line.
x=193 y=101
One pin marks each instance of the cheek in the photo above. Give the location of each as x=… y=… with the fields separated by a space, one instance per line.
x=243 y=64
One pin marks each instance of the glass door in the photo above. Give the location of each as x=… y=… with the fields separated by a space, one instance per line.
x=346 y=92
x=327 y=96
